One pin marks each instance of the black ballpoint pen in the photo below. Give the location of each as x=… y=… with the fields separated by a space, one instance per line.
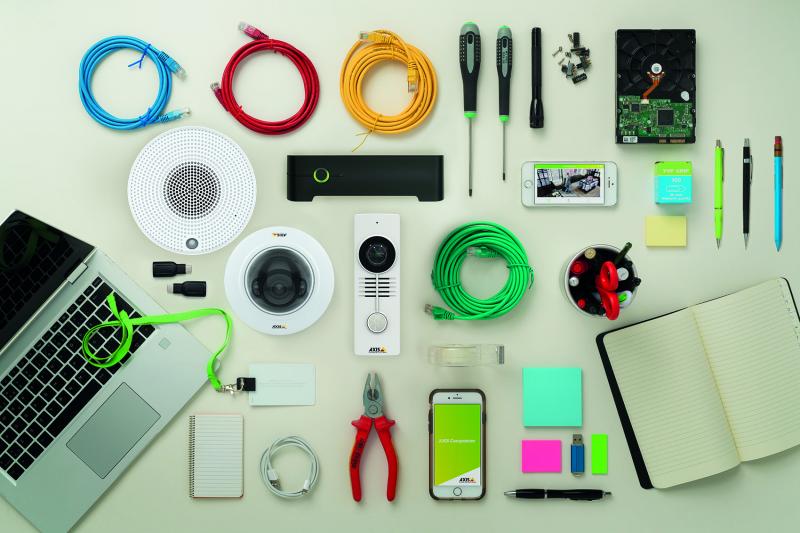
x=569 y=494
x=747 y=179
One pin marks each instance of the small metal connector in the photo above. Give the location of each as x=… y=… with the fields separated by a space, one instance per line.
x=429 y=309
x=252 y=31
x=175 y=114
x=363 y=36
x=272 y=477
x=217 y=90
x=246 y=28
x=168 y=269
x=484 y=252
x=188 y=288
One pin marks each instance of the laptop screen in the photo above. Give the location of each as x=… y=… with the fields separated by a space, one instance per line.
x=35 y=259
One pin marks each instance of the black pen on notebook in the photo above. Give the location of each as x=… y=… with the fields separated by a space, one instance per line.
x=550 y=494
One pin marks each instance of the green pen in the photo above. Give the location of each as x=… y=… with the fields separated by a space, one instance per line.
x=719 y=178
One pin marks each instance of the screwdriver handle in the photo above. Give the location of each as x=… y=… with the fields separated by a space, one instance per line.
x=469 y=57
x=504 y=52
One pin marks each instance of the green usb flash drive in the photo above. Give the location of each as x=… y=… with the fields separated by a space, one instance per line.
x=600 y=453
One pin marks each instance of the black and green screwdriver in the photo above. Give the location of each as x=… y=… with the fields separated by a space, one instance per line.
x=469 y=57
x=504 y=49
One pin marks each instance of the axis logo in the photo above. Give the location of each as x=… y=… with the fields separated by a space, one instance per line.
x=377 y=349
x=276 y=234
x=280 y=326
x=467 y=480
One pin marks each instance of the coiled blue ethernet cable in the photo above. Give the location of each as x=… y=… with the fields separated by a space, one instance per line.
x=165 y=65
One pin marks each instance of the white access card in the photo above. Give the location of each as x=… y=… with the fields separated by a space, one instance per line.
x=283 y=384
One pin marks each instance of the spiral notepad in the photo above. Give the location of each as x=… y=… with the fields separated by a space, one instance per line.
x=215 y=456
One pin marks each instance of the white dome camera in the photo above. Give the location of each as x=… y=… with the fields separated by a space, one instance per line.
x=279 y=280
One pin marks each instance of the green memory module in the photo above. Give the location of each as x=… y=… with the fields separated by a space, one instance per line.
x=654 y=120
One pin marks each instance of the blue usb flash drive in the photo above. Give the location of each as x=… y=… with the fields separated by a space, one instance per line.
x=577 y=455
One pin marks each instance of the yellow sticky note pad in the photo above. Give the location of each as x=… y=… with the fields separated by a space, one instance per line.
x=665 y=230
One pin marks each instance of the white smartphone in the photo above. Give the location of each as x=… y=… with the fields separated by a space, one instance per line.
x=457 y=447
x=569 y=183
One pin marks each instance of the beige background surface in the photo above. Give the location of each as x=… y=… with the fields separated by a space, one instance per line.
x=58 y=164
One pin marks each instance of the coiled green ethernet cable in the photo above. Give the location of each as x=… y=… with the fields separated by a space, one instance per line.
x=483 y=240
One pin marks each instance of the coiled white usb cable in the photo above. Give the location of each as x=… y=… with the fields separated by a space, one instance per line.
x=270 y=477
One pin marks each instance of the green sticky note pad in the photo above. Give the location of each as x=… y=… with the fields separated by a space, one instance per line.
x=599 y=450
x=552 y=397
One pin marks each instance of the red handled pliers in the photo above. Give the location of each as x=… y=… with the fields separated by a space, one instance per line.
x=607 y=283
x=373 y=412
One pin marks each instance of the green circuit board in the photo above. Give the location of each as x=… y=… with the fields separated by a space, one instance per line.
x=656 y=121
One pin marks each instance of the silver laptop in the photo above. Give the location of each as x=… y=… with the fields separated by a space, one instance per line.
x=69 y=429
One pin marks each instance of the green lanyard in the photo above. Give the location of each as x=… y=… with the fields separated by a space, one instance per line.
x=126 y=323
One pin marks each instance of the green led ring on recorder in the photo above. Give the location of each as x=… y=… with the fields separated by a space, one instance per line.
x=326 y=175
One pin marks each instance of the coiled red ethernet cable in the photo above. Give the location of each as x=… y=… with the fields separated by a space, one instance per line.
x=262 y=43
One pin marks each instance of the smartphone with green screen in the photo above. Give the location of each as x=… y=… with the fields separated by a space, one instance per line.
x=457 y=444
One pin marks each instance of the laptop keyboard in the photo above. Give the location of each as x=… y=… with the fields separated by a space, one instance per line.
x=50 y=385
x=21 y=284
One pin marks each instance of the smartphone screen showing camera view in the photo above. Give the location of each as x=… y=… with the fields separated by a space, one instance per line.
x=570 y=183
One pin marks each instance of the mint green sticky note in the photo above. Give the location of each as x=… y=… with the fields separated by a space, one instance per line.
x=552 y=397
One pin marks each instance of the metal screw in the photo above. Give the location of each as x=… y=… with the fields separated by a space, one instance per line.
x=560 y=48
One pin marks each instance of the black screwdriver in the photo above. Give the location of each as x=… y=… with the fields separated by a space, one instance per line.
x=537 y=111
x=469 y=58
x=504 y=48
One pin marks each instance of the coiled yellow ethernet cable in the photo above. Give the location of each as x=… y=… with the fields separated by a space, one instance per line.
x=383 y=45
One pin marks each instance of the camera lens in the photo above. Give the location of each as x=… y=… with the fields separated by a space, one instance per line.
x=279 y=281
x=281 y=284
x=377 y=254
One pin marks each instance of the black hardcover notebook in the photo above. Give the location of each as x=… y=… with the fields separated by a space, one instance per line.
x=703 y=389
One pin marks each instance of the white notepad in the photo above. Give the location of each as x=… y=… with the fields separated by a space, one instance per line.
x=215 y=456
x=713 y=385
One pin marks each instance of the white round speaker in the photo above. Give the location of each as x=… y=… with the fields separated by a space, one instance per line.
x=192 y=190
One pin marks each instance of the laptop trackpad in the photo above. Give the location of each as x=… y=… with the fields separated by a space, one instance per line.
x=113 y=430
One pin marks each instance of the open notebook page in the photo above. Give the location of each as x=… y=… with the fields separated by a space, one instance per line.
x=671 y=399
x=752 y=339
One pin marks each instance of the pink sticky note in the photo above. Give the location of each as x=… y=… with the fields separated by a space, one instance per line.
x=541 y=456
